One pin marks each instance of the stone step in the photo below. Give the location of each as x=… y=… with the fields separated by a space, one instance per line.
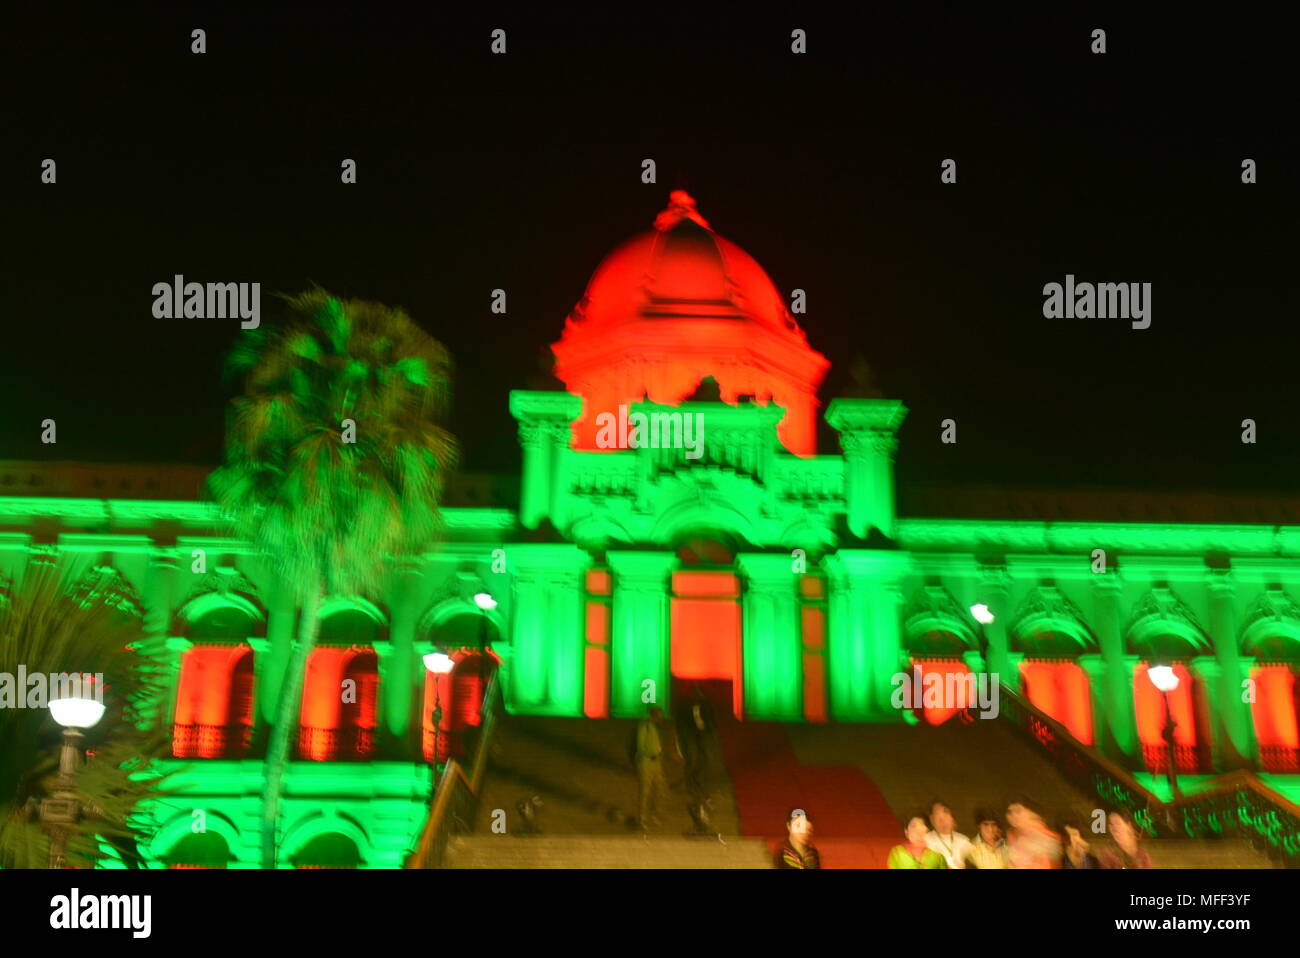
x=575 y=851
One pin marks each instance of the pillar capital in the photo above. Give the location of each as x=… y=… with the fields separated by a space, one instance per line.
x=1107 y=583
x=1092 y=663
x=647 y=567
x=994 y=580
x=849 y=416
x=1221 y=583
x=768 y=572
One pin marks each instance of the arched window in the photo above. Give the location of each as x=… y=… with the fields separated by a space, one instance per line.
x=214 y=703
x=467 y=639
x=199 y=850
x=214 y=715
x=330 y=850
x=1187 y=706
x=1060 y=687
x=936 y=638
x=1163 y=631
x=1271 y=635
x=339 y=705
x=1049 y=633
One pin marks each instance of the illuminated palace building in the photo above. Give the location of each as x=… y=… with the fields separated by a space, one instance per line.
x=630 y=568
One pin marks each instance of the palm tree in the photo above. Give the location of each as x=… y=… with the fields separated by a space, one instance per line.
x=335 y=461
x=61 y=620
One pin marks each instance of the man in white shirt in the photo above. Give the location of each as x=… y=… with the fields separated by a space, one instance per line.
x=942 y=838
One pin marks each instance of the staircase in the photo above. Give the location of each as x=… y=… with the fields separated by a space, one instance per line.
x=855 y=780
x=581 y=770
x=604 y=851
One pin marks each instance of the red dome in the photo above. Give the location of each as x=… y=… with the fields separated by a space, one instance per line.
x=676 y=304
x=681 y=263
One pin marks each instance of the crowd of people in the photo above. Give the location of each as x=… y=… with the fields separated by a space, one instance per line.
x=1025 y=841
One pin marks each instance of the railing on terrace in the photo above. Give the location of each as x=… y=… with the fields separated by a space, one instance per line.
x=1236 y=804
x=455 y=801
x=336 y=745
x=211 y=741
x=1084 y=766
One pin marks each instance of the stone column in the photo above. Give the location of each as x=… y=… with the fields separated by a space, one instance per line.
x=545 y=428
x=772 y=670
x=1209 y=675
x=159 y=596
x=868 y=429
x=1120 y=742
x=995 y=592
x=547 y=629
x=640 y=640
x=1095 y=668
x=1233 y=728
x=864 y=638
x=398 y=672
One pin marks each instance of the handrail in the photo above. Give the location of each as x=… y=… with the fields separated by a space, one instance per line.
x=1233 y=801
x=1125 y=790
x=455 y=784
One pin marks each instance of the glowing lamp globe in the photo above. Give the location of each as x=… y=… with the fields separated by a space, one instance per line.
x=981 y=613
x=77 y=712
x=485 y=601
x=439 y=663
x=1163 y=677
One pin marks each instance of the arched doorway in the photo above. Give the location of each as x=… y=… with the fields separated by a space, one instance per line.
x=457 y=696
x=705 y=624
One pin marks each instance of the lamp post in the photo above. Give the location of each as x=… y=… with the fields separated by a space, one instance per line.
x=438 y=664
x=1164 y=678
x=983 y=616
x=60 y=811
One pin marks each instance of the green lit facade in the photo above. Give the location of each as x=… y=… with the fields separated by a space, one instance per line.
x=832 y=592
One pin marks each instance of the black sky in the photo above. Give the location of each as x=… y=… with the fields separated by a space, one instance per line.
x=522 y=171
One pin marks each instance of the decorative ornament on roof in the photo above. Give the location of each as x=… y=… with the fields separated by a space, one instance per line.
x=1273 y=603
x=1046 y=603
x=681 y=206
x=1160 y=603
x=224 y=580
x=934 y=602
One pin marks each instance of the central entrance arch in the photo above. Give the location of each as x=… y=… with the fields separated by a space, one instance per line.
x=705 y=637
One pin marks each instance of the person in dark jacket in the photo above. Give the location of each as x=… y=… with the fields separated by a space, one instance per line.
x=798 y=850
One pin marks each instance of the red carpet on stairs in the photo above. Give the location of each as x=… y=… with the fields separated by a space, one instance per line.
x=854 y=826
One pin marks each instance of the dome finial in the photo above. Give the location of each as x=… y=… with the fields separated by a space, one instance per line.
x=681 y=206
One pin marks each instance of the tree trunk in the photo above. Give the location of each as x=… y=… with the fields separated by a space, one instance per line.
x=286 y=722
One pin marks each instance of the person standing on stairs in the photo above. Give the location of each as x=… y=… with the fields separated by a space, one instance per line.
x=944 y=839
x=651 y=784
x=695 y=738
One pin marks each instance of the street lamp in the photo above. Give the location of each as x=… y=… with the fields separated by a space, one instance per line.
x=1164 y=678
x=438 y=664
x=61 y=810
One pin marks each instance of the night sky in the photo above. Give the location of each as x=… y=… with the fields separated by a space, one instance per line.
x=522 y=171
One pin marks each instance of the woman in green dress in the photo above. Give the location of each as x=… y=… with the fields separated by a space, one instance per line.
x=914 y=853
